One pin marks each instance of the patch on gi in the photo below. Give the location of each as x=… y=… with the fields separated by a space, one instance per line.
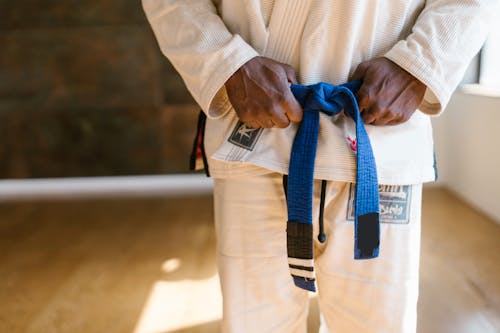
x=245 y=136
x=395 y=203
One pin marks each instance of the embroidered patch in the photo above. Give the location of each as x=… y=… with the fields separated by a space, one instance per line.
x=395 y=203
x=245 y=136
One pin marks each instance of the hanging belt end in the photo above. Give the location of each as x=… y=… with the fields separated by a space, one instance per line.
x=367 y=236
x=304 y=283
x=363 y=254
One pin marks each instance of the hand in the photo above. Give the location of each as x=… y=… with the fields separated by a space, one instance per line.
x=388 y=95
x=260 y=94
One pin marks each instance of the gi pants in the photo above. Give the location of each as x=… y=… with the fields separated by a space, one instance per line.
x=355 y=296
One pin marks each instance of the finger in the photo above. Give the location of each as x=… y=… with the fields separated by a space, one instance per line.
x=253 y=124
x=372 y=114
x=360 y=71
x=280 y=119
x=265 y=119
x=268 y=123
x=397 y=119
x=382 y=121
x=384 y=117
x=395 y=122
x=403 y=107
x=368 y=118
x=292 y=109
x=363 y=98
x=290 y=74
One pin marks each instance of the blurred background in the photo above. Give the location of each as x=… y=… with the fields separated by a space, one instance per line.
x=85 y=91
x=104 y=229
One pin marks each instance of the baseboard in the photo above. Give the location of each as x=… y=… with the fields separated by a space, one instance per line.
x=70 y=188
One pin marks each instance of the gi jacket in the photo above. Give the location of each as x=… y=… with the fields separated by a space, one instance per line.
x=324 y=40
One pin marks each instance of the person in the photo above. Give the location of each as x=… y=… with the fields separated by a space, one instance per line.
x=240 y=60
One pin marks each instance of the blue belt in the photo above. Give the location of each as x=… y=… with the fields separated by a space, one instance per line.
x=329 y=99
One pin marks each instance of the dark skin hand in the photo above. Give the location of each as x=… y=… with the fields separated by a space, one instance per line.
x=260 y=94
x=389 y=95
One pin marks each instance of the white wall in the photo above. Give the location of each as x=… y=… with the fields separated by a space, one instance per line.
x=467 y=138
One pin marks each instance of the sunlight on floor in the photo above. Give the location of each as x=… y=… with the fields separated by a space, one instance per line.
x=171 y=265
x=469 y=323
x=174 y=305
x=177 y=305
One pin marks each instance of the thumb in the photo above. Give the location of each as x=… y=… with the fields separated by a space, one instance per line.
x=293 y=110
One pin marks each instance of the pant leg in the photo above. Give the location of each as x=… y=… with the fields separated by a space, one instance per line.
x=376 y=295
x=258 y=292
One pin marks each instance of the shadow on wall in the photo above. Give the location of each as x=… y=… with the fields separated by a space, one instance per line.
x=85 y=91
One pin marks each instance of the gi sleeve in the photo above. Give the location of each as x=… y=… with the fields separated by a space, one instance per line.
x=194 y=38
x=446 y=36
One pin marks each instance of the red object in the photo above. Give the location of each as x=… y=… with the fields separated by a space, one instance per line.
x=353 y=144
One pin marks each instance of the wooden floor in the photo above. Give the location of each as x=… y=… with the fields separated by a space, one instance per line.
x=148 y=266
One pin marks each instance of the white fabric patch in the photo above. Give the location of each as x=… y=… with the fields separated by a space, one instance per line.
x=303 y=273
x=395 y=203
x=301 y=262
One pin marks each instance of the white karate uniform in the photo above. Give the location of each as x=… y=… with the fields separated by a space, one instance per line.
x=324 y=40
x=355 y=296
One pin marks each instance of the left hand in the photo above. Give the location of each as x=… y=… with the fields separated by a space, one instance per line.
x=388 y=95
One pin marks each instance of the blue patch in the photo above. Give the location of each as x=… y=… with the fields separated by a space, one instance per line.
x=395 y=203
x=245 y=136
x=436 y=173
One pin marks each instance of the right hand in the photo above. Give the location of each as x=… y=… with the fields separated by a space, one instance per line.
x=260 y=94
